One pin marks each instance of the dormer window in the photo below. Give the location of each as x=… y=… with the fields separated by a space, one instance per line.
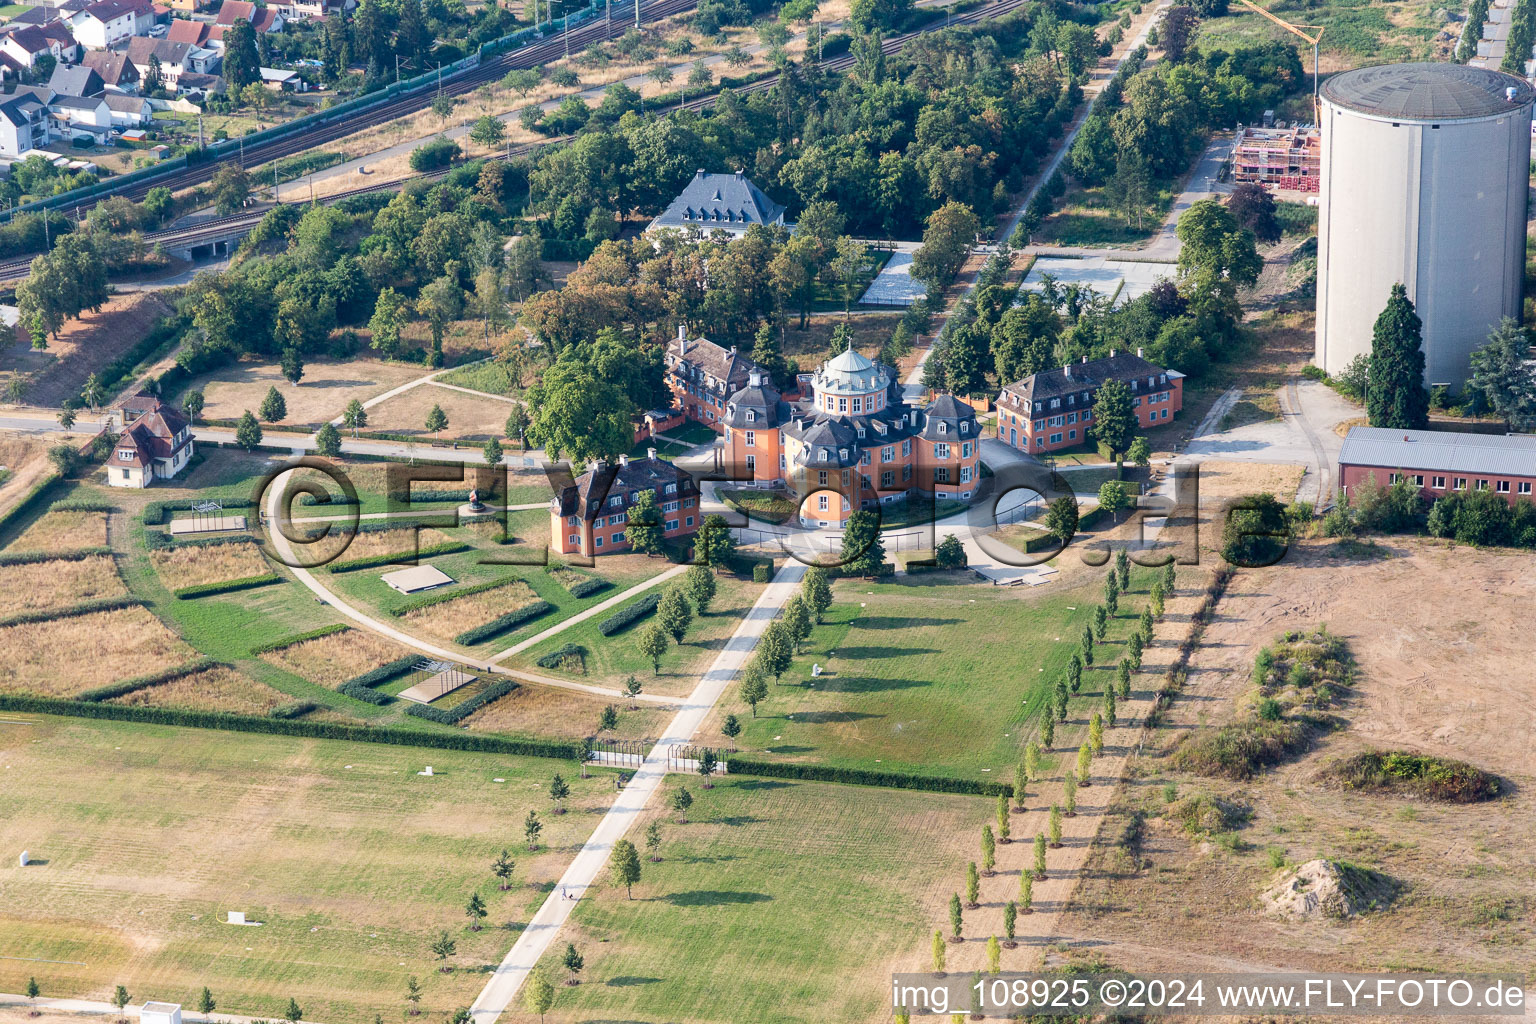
x=751 y=416
x=943 y=427
x=825 y=454
x=964 y=427
x=670 y=489
x=842 y=454
x=125 y=454
x=860 y=429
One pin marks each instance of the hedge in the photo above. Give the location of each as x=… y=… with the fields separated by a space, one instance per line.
x=157 y=539
x=314 y=634
x=762 y=572
x=385 y=672
x=455 y=715
x=585 y=586
x=630 y=615
x=293 y=709
x=104 y=604
x=157 y=513
x=558 y=655
x=24 y=506
x=449 y=595
x=34 y=557
x=366 y=694
x=287 y=727
x=739 y=765
x=227 y=586
x=502 y=623
x=81 y=505
x=451 y=547
x=127 y=686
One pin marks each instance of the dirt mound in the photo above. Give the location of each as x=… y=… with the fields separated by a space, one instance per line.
x=1326 y=888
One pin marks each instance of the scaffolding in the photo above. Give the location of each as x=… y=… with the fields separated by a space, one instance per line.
x=1284 y=158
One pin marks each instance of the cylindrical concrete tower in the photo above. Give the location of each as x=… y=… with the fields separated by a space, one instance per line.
x=1424 y=178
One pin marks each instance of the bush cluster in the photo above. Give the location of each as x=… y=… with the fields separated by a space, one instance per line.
x=226 y=586
x=555 y=657
x=103 y=604
x=455 y=715
x=34 y=557
x=314 y=634
x=501 y=623
x=450 y=547
x=1433 y=778
x=127 y=686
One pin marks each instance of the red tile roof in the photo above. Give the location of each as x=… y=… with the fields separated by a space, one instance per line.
x=183 y=31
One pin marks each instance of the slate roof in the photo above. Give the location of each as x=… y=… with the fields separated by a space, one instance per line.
x=712 y=201
x=113 y=66
x=706 y=359
x=951 y=412
x=1440 y=451
x=588 y=496
x=18 y=111
x=763 y=399
x=77 y=102
x=125 y=104
x=1085 y=379
x=75 y=80
x=141 y=47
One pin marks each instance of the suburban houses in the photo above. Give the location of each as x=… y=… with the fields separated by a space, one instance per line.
x=588 y=517
x=1053 y=409
x=108 y=22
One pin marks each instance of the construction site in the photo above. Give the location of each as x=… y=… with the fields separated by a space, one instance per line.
x=1279 y=157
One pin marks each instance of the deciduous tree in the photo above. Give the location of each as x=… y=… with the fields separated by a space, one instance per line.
x=624 y=864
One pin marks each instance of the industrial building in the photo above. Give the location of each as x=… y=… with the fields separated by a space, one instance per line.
x=1440 y=462
x=1286 y=158
x=1425 y=170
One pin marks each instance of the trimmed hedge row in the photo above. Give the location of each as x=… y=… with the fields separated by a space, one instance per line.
x=384 y=673
x=739 y=765
x=502 y=623
x=227 y=586
x=127 y=686
x=586 y=586
x=81 y=505
x=157 y=539
x=34 y=557
x=286 y=727
x=314 y=634
x=366 y=694
x=558 y=655
x=451 y=547
x=629 y=615
x=103 y=604
x=448 y=595
x=293 y=709
x=455 y=715
x=24 y=506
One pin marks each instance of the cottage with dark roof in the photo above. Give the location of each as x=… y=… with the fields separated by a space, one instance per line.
x=1053 y=409
x=29 y=43
x=76 y=80
x=114 y=68
x=719 y=202
x=589 y=516
x=854 y=442
x=157 y=444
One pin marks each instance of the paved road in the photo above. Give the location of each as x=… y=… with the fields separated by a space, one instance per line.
x=541 y=932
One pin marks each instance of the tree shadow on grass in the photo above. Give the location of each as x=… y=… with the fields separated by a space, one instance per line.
x=823 y=717
x=628 y=980
x=757 y=784
x=856 y=653
x=868 y=684
x=714 y=898
x=900 y=621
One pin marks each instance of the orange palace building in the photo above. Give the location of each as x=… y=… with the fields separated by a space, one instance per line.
x=852 y=443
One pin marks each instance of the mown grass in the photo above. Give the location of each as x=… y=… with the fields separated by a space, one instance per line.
x=352 y=861
x=777 y=901
x=937 y=675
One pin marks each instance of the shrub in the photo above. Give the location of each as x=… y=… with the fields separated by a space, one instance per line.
x=127 y=686
x=385 y=672
x=1433 y=778
x=450 y=595
x=293 y=709
x=740 y=764
x=34 y=557
x=434 y=155
x=554 y=658
x=227 y=586
x=501 y=623
x=388 y=558
x=104 y=604
x=586 y=586
x=314 y=634
x=455 y=715
x=1240 y=750
x=629 y=615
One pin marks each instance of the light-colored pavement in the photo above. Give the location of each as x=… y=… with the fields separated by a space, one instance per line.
x=536 y=938
x=94 y=1008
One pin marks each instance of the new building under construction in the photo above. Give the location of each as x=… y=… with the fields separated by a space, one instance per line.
x=1283 y=158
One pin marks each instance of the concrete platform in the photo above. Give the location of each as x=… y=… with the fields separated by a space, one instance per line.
x=428 y=690
x=416 y=579
x=210 y=524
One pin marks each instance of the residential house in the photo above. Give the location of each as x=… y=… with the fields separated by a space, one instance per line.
x=703 y=375
x=158 y=444
x=283 y=80
x=854 y=442
x=128 y=111
x=106 y=23
x=29 y=43
x=176 y=60
x=1053 y=409
x=77 y=117
x=1439 y=462
x=194 y=85
x=24 y=123
x=116 y=71
x=189 y=6
x=197 y=33
x=718 y=202
x=262 y=19
x=295 y=10
x=589 y=516
x=76 y=80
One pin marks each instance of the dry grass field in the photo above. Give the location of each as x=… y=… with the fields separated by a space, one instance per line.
x=470 y=417
x=25 y=462
x=147 y=836
x=85 y=346
x=450 y=618
x=324 y=391
x=48 y=586
x=534 y=710
x=332 y=660
x=403 y=542
x=63 y=531
x=215 y=689
x=1442 y=668
x=62 y=657
x=195 y=564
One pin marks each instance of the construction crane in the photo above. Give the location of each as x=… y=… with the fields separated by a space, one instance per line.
x=1297 y=30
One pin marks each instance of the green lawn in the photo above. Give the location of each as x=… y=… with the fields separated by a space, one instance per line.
x=938 y=675
x=491 y=377
x=146 y=836
x=777 y=902
x=609 y=660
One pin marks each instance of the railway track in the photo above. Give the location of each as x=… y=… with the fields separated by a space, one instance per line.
x=16 y=269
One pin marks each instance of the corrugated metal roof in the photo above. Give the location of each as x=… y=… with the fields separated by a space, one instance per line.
x=1442 y=451
x=1427 y=92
